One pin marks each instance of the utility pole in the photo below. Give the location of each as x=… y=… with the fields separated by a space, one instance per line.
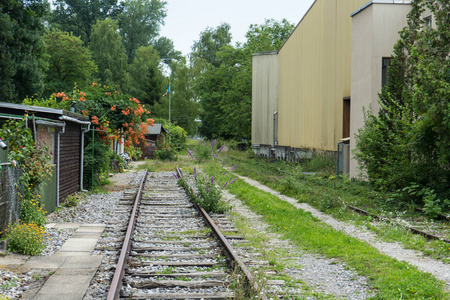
x=168 y=90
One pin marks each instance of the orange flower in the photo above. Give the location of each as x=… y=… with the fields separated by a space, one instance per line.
x=113 y=108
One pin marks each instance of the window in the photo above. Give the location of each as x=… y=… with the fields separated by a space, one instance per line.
x=386 y=62
x=427 y=22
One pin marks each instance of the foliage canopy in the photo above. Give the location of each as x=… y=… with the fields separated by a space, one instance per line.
x=406 y=146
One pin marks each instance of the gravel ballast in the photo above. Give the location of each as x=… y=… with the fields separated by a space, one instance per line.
x=324 y=275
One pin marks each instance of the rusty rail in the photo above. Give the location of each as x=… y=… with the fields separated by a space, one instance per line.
x=228 y=247
x=116 y=284
x=413 y=229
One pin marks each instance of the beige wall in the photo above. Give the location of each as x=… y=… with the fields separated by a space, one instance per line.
x=314 y=76
x=264 y=97
x=374 y=33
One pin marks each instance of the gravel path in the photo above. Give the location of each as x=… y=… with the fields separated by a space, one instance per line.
x=440 y=270
x=324 y=275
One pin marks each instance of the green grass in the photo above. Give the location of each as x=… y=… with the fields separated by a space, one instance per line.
x=392 y=279
x=330 y=193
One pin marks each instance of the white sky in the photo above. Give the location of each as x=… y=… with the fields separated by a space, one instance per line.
x=187 y=18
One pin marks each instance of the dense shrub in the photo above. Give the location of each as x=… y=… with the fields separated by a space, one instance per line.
x=26 y=238
x=405 y=147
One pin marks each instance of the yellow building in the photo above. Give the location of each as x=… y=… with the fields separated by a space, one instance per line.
x=329 y=70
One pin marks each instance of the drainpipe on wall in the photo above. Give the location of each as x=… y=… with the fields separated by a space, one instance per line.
x=58 y=164
x=275 y=141
x=83 y=131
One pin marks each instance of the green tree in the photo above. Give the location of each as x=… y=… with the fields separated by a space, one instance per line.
x=167 y=51
x=140 y=23
x=147 y=84
x=184 y=108
x=78 y=16
x=108 y=53
x=223 y=81
x=69 y=61
x=22 y=62
x=210 y=42
x=406 y=146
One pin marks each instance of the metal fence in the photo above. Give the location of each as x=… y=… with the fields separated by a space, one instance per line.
x=9 y=200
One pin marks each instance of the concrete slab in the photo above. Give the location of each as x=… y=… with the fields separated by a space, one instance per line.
x=84 y=262
x=63 y=225
x=13 y=259
x=45 y=262
x=79 y=245
x=66 y=285
x=87 y=235
x=71 y=253
x=98 y=228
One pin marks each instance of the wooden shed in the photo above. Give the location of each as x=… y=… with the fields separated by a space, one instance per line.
x=63 y=132
x=154 y=137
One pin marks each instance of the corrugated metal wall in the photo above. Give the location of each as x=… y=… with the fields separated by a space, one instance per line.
x=264 y=97
x=48 y=193
x=314 y=76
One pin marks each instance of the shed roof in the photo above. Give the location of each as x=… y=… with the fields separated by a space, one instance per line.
x=12 y=109
x=157 y=129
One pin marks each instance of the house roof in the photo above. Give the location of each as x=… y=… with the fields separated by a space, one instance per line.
x=157 y=129
x=14 y=110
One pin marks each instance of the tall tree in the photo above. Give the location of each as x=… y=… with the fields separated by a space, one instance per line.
x=184 y=108
x=78 y=16
x=166 y=50
x=147 y=84
x=406 y=146
x=108 y=52
x=223 y=79
x=69 y=61
x=210 y=42
x=21 y=48
x=140 y=23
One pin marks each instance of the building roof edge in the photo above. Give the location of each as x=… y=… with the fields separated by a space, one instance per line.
x=379 y=2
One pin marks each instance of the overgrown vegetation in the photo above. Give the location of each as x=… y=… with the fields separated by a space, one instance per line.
x=26 y=238
x=33 y=158
x=391 y=279
x=405 y=147
x=207 y=192
x=330 y=193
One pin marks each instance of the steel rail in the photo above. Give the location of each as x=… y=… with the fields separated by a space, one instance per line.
x=411 y=228
x=228 y=247
x=116 y=283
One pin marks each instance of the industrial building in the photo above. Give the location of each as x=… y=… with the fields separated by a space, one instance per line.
x=313 y=91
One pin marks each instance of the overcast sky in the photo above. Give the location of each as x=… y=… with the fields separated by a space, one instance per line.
x=187 y=18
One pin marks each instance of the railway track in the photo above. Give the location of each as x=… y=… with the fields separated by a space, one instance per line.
x=172 y=249
x=413 y=228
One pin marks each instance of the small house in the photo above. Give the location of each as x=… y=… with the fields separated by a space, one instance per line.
x=63 y=133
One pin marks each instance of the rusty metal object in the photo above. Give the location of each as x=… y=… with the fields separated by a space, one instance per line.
x=116 y=284
x=228 y=247
x=413 y=229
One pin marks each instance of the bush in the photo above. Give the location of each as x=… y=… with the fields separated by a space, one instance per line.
x=32 y=211
x=26 y=238
x=165 y=154
x=178 y=137
x=209 y=196
x=72 y=200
